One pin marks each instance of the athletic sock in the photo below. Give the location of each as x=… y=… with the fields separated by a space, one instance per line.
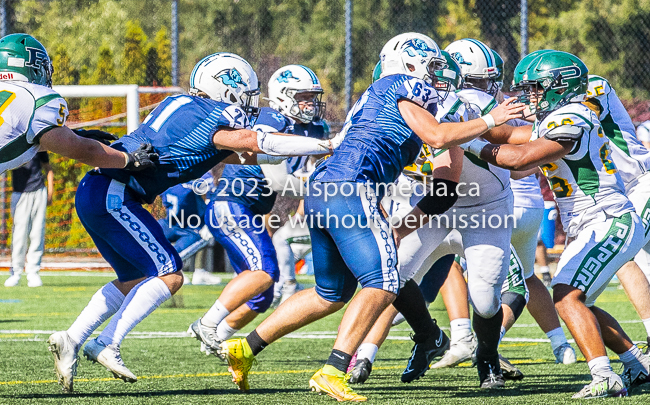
x=103 y=304
x=339 y=360
x=367 y=351
x=225 y=331
x=460 y=328
x=488 y=331
x=256 y=343
x=631 y=358
x=544 y=269
x=557 y=337
x=142 y=300
x=600 y=367
x=411 y=304
x=215 y=315
x=502 y=334
x=646 y=323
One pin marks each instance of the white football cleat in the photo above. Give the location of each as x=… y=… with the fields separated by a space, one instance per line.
x=34 y=280
x=203 y=277
x=565 y=354
x=109 y=357
x=210 y=343
x=12 y=281
x=611 y=386
x=65 y=356
x=459 y=352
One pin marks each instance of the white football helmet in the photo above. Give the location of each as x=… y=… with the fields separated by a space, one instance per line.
x=477 y=64
x=411 y=54
x=228 y=78
x=286 y=83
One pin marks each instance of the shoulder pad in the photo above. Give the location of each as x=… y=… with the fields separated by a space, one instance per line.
x=598 y=86
x=564 y=133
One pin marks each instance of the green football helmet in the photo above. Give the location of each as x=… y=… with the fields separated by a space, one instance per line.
x=23 y=58
x=498 y=61
x=376 y=73
x=556 y=78
x=449 y=78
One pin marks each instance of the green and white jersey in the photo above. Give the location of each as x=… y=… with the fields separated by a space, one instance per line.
x=450 y=110
x=585 y=182
x=493 y=181
x=27 y=111
x=632 y=159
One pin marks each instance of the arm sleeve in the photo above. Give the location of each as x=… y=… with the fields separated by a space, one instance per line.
x=279 y=145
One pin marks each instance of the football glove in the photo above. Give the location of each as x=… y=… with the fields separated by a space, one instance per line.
x=143 y=158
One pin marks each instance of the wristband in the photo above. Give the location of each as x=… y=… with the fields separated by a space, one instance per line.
x=489 y=120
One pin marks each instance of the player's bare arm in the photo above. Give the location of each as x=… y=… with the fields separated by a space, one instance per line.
x=63 y=141
x=508 y=134
x=444 y=135
x=527 y=156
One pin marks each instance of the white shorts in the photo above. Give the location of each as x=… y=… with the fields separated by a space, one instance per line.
x=487 y=250
x=524 y=236
x=590 y=261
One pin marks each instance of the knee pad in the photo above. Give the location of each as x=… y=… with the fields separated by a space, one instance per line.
x=516 y=302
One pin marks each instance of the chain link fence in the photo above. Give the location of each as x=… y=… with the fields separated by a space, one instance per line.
x=129 y=42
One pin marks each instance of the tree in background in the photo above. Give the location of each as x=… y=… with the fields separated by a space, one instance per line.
x=163 y=47
x=104 y=72
x=64 y=72
x=134 y=61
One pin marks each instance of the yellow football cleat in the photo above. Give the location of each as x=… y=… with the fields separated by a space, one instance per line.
x=335 y=386
x=240 y=360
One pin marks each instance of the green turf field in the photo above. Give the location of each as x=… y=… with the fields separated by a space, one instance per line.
x=171 y=369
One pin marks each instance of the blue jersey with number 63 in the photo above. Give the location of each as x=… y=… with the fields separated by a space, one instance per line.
x=180 y=129
x=378 y=143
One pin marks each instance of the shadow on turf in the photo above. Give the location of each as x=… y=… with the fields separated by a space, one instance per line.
x=149 y=393
x=12 y=320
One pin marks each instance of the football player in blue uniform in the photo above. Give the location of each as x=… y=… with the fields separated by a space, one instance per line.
x=295 y=92
x=191 y=134
x=235 y=215
x=352 y=241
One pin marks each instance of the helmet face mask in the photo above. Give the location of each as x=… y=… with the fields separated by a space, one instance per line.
x=448 y=77
x=307 y=105
x=228 y=78
x=23 y=58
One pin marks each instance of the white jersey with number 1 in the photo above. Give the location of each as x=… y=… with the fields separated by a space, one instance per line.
x=27 y=111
